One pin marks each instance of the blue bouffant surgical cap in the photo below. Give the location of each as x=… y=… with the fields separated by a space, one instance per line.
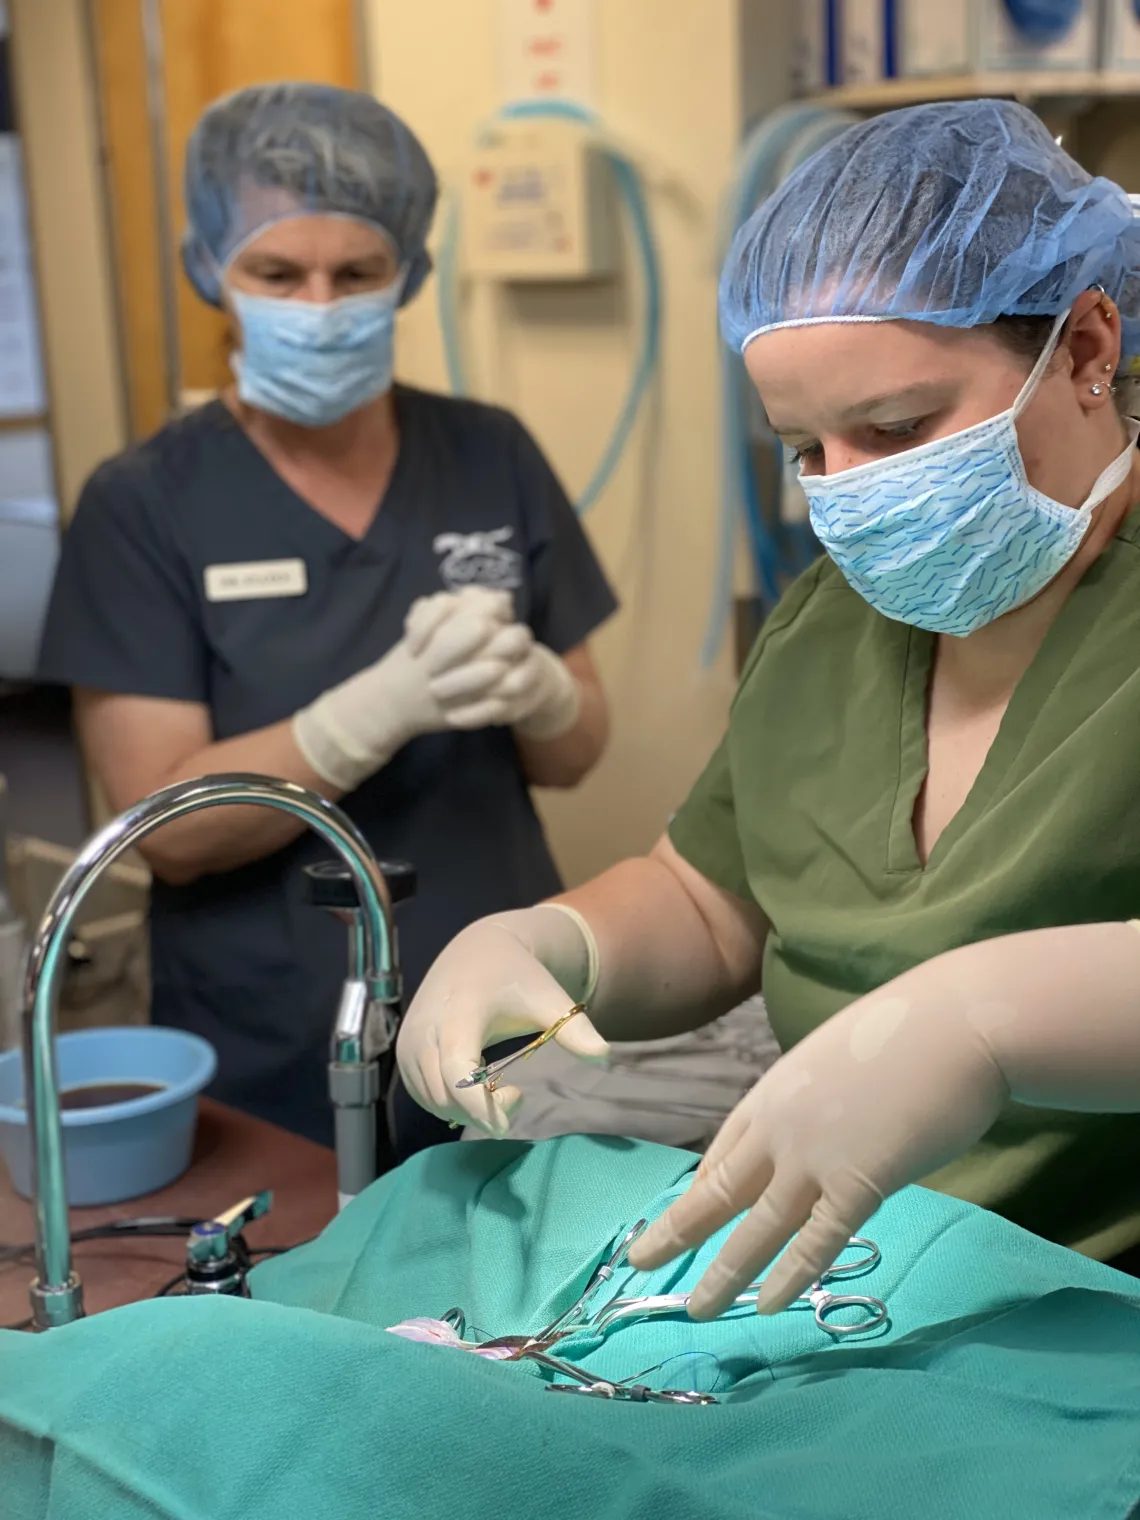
x=948 y=213
x=281 y=150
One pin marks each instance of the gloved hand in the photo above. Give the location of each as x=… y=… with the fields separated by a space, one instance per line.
x=897 y=1085
x=541 y=697
x=435 y=678
x=536 y=694
x=511 y=974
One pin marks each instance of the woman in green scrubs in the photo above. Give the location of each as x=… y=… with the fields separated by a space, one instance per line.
x=935 y=743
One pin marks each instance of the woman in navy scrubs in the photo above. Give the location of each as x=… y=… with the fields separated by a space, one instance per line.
x=378 y=592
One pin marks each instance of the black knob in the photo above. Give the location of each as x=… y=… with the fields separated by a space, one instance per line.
x=330 y=883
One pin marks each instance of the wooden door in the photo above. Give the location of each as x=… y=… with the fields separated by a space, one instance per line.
x=208 y=47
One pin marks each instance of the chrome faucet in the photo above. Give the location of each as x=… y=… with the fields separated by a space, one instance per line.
x=365 y=1024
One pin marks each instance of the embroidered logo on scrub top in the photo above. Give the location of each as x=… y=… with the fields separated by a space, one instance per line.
x=479 y=559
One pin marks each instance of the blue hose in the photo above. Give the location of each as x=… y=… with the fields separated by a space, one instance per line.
x=629 y=186
x=770 y=151
x=447 y=287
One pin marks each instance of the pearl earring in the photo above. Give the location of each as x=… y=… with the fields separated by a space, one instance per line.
x=1097 y=389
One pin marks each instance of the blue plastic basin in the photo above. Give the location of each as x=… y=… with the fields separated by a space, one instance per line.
x=121 y=1150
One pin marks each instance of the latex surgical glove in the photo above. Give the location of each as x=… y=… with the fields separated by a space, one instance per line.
x=542 y=698
x=431 y=680
x=897 y=1085
x=468 y=644
x=428 y=615
x=536 y=695
x=511 y=974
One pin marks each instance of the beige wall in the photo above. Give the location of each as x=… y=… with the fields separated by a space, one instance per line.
x=1107 y=141
x=668 y=75
x=58 y=124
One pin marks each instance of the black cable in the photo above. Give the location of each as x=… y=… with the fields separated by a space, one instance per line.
x=146 y=1226
x=168 y=1287
x=158 y=1225
x=162 y=1224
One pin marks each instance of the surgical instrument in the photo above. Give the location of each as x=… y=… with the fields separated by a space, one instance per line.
x=627 y=1389
x=536 y=1348
x=823 y=1301
x=634 y=1393
x=819 y=1296
x=488 y=1075
x=570 y=1320
x=634 y=1390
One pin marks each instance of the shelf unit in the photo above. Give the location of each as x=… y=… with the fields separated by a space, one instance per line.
x=1028 y=86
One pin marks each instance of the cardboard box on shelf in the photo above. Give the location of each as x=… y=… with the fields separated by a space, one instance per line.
x=108 y=977
x=1002 y=46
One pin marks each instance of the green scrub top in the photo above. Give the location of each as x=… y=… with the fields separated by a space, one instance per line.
x=807 y=807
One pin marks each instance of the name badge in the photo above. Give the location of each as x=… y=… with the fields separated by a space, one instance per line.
x=256 y=580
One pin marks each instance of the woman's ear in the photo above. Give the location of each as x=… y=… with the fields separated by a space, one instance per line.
x=1093 y=338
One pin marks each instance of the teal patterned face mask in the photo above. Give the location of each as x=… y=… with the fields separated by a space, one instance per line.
x=950 y=535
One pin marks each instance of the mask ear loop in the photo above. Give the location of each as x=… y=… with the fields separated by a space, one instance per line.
x=1025 y=394
x=1113 y=474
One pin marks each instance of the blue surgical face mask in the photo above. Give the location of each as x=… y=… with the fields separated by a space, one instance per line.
x=950 y=535
x=313 y=363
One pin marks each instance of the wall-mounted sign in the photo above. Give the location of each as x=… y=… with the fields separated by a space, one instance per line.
x=547 y=49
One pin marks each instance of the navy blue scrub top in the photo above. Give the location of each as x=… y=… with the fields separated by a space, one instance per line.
x=240 y=957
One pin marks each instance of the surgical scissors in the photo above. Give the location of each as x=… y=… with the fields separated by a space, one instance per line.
x=634 y=1393
x=819 y=1296
x=570 y=1320
x=488 y=1075
x=606 y=1388
x=823 y=1301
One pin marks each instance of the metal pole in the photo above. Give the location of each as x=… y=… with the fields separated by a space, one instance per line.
x=164 y=224
x=56 y=1294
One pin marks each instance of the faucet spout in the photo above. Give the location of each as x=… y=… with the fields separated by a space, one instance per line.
x=56 y=1293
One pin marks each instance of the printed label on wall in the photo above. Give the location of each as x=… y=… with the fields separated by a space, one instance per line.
x=547 y=49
